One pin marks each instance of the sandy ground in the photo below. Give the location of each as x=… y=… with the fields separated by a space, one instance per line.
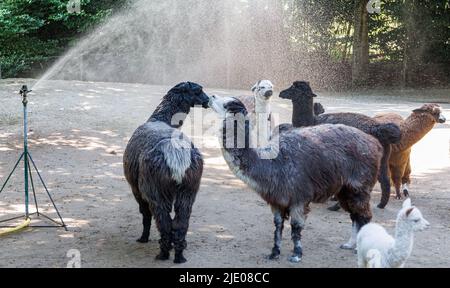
x=79 y=132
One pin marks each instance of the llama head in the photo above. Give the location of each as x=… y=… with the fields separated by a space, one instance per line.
x=299 y=91
x=412 y=216
x=318 y=109
x=225 y=106
x=188 y=94
x=263 y=89
x=432 y=110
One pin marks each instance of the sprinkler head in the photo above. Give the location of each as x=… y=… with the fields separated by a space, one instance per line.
x=24 y=90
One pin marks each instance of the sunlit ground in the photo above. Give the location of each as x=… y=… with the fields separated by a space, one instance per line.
x=79 y=132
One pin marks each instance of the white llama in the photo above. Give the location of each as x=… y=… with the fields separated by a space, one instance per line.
x=377 y=249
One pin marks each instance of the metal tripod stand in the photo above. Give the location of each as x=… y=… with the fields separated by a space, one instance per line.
x=29 y=164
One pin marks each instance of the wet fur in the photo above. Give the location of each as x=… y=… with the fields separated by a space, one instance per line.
x=301 y=95
x=164 y=170
x=313 y=164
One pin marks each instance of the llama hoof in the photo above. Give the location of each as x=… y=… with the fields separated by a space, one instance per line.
x=406 y=193
x=142 y=240
x=348 y=246
x=275 y=255
x=381 y=206
x=295 y=258
x=162 y=256
x=179 y=259
x=335 y=207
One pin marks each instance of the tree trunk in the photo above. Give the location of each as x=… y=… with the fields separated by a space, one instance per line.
x=360 y=63
x=411 y=51
x=347 y=42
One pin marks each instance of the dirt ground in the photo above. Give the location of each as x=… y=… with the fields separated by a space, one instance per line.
x=80 y=130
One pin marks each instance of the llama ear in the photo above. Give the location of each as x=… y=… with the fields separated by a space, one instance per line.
x=235 y=107
x=407 y=203
x=254 y=87
x=180 y=88
x=409 y=211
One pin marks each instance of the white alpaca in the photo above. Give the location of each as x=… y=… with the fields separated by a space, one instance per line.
x=377 y=249
x=261 y=115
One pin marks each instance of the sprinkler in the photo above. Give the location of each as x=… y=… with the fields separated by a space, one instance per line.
x=29 y=164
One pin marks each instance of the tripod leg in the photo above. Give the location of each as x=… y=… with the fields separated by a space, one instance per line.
x=34 y=191
x=46 y=190
x=10 y=174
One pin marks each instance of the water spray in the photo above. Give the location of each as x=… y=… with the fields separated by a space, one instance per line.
x=29 y=164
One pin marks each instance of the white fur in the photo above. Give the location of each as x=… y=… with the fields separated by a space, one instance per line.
x=177 y=155
x=176 y=151
x=405 y=187
x=218 y=104
x=390 y=252
x=351 y=243
x=373 y=257
x=264 y=122
x=235 y=169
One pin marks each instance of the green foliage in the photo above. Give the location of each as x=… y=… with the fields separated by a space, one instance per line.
x=35 y=32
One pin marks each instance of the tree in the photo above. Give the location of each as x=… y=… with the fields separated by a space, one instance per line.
x=360 y=63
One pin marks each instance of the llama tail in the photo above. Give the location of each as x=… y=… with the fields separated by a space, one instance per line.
x=373 y=257
x=388 y=133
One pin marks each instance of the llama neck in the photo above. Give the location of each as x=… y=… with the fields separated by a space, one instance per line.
x=303 y=114
x=414 y=128
x=173 y=114
x=404 y=238
x=241 y=158
x=261 y=105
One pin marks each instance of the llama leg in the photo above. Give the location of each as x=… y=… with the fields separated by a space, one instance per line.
x=383 y=177
x=335 y=207
x=396 y=175
x=405 y=179
x=358 y=220
x=298 y=217
x=357 y=203
x=396 y=178
x=146 y=221
x=351 y=243
x=180 y=224
x=278 y=220
x=164 y=225
x=361 y=260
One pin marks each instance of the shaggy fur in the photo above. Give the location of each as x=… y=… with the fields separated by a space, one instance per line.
x=311 y=165
x=301 y=95
x=164 y=169
x=377 y=249
x=259 y=108
x=413 y=128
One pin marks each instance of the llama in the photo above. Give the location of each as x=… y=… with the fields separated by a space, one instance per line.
x=301 y=95
x=311 y=165
x=377 y=249
x=413 y=128
x=164 y=169
x=258 y=106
